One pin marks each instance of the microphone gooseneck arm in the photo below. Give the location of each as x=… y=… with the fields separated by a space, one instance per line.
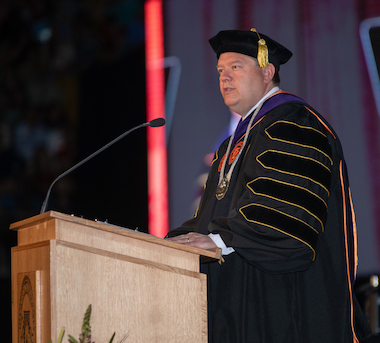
x=153 y=123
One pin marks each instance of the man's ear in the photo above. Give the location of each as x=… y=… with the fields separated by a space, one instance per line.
x=269 y=73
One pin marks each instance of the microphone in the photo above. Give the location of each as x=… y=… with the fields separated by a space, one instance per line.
x=153 y=123
x=157 y=122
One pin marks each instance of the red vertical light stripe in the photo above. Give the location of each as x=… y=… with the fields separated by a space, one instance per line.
x=155 y=104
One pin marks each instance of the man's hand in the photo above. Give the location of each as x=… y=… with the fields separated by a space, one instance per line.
x=195 y=240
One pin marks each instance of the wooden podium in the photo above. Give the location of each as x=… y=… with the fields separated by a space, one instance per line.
x=137 y=284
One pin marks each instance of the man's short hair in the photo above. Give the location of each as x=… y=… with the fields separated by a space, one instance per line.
x=276 y=77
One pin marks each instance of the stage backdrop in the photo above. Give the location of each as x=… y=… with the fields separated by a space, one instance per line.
x=328 y=70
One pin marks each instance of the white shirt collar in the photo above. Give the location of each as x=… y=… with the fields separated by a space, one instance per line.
x=272 y=91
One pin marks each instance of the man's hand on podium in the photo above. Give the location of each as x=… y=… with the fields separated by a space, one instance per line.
x=194 y=239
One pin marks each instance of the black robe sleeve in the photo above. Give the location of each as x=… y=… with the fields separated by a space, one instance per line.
x=276 y=207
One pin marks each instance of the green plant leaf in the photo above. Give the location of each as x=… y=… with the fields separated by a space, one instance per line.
x=60 y=337
x=72 y=339
x=86 y=328
x=85 y=336
x=113 y=336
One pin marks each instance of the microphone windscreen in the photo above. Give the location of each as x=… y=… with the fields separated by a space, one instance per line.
x=157 y=122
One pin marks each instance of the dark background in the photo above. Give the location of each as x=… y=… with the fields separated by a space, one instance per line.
x=374 y=34
x=72 y=78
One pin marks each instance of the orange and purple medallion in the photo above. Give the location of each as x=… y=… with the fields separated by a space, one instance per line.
x=235 y=152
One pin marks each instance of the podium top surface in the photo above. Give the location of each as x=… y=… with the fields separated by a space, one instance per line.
x=118 y=230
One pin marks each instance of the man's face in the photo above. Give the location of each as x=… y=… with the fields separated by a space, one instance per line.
x=242 y=82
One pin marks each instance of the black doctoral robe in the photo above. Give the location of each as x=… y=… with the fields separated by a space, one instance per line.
x=288 y=215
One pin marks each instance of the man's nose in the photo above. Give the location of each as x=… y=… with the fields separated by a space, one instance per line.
x=225 y=76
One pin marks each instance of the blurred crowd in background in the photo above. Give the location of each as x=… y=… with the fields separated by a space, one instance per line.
x=44 y=48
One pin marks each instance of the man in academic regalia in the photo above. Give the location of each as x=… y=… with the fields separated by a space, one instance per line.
x=278 y=203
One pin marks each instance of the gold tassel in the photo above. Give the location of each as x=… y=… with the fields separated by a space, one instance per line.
x=262 y=51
